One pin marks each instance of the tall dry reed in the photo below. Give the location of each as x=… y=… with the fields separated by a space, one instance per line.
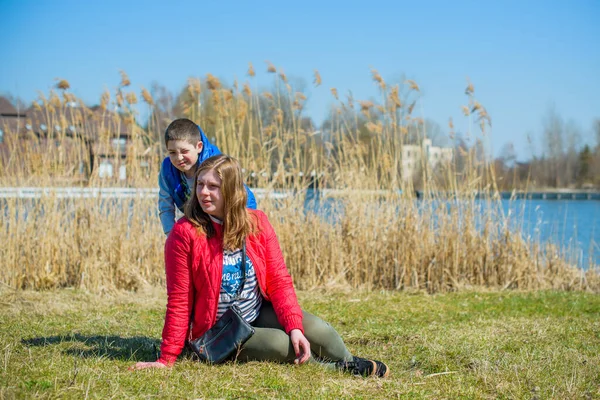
x=372 y=234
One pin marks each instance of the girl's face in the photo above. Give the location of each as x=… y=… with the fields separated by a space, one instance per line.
x=208 y=191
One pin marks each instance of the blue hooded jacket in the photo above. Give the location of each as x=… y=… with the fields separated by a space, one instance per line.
x=178 y=187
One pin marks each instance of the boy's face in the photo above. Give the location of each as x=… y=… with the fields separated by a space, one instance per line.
x=184 y=155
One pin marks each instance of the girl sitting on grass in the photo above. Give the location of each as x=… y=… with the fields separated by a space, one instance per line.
x=203 y=264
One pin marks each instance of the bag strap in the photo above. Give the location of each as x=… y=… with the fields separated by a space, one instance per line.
x=237 y=296
x=243 y=266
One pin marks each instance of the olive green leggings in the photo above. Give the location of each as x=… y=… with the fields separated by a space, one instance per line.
x=271 y=343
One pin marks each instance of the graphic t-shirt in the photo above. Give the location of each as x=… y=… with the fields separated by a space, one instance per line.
x=250 y=300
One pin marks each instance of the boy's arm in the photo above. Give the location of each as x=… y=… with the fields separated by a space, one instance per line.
x=251 y=203
x=166 y=205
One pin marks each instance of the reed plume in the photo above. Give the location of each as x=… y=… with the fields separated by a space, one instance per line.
x=374 y=235
x=124 y=79
x=63 y=84
x=317 y=78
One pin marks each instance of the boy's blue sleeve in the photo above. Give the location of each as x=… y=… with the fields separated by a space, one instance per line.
x=251 y=203
x=166 y=204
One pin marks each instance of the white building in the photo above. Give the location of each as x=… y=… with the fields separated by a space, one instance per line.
x=414 y=157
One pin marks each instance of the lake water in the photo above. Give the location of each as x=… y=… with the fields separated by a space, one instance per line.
x=572 y=225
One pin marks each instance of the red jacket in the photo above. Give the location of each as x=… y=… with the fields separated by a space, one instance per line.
x=194 y=267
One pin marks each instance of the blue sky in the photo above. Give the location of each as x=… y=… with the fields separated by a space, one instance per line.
x=522 y=56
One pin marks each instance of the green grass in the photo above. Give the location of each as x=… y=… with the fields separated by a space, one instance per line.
x=71 y=344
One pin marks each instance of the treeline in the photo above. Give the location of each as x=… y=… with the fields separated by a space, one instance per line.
x=277 y=137
x=562 y=161
x=361 y=144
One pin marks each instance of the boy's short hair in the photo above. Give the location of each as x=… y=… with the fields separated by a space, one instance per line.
x=182 y=129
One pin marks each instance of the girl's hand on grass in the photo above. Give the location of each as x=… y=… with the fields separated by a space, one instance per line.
x=144 y=365
x=301 y=346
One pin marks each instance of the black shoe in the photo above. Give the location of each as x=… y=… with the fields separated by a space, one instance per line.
x=364 y=367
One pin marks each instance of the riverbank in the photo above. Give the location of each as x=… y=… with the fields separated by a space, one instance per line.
x=547 y=194
x=67 y=192
x=73 y=344
x=367 y=242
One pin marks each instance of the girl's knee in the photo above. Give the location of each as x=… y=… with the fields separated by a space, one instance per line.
x=325 y=341
x=269 y=345
x=279 y=346
x=315 y=326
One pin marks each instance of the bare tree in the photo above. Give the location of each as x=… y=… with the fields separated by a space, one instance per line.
x=571 y=158
x=585 y=173
x=435 y=132
x=508 y=154
x=505 y=166
x=553 y=142
x=596 y=157
x=597 y=132
x=162 y=112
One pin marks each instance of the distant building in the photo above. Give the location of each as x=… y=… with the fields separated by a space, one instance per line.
x=105 y=135
x=11 y=119
x=414 y=157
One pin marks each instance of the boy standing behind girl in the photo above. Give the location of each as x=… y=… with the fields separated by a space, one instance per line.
x=187 y=147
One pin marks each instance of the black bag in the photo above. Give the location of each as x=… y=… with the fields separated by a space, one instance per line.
x=228 y=334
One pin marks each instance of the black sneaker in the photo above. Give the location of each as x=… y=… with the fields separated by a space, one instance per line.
x=364 y=367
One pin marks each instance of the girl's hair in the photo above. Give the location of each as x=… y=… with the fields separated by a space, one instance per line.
x=237 y=224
